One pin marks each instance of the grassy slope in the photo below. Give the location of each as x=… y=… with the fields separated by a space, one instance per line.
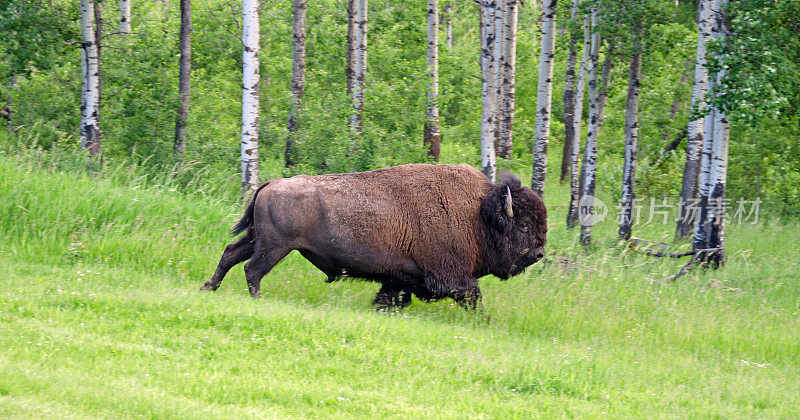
x=99 y=316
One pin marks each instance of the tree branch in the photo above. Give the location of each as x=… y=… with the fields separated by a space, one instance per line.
x=117 y=33
x=670 y=146
x=81 y=43
x=227 y=28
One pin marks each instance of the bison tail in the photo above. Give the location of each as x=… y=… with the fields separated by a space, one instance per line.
x=247 y=217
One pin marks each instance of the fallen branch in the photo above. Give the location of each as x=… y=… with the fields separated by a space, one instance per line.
x=668 y=254
x=663 y=253
x=685 y=269
x=698 y=254
x=628 y=266
x=678 y=254
x=636 y=241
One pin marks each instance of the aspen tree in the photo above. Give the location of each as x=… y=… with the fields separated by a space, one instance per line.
x=544 y=93
x=298 y=76
x=432 y=135
x=488 y=89
x=250 y=94
x=694 y=134
x=90 y=70
x=184 y=75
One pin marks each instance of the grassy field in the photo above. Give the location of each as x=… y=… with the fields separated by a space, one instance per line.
x=100 y=316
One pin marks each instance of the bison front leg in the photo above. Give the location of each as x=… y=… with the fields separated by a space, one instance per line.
x=470 y=299
x=391 y=296
x=464 y=290
x=234 y=254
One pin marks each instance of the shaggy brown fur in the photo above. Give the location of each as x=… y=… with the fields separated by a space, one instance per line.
x=430 y=230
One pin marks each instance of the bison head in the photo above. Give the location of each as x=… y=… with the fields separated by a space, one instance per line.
x=515 y=222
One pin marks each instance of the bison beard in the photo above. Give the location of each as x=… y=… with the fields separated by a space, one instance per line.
x=426 y=230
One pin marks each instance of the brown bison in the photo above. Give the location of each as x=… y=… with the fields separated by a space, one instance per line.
x=427 y=230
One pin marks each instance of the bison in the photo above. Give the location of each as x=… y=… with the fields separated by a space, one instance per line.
x=427 y=230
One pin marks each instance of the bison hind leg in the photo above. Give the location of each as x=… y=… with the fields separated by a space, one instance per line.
x=259 y=265
x=234 y=254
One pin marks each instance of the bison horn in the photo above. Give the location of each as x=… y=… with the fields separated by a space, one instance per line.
x=509 y=210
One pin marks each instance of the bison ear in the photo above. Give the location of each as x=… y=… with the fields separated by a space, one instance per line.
x=496 y=209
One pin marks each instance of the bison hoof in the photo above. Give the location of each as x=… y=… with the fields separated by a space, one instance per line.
x=208 y=286
x=388 y=308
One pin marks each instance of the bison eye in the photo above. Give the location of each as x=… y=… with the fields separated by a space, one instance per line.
x=524 y=228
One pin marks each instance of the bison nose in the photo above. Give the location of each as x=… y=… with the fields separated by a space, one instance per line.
x=539 y=253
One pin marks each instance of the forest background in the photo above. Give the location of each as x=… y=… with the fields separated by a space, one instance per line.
x=42 y=87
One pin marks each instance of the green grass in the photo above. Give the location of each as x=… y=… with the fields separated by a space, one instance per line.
x=100 y=317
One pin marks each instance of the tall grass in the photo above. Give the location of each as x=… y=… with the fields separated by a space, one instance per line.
x=100 y=270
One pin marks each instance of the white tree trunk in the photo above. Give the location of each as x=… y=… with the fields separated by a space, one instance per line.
x=488 y=89
x=361 y=47
x=710 y=227
x=432 y=135
x=350 y=64
x=98 y=37
x=569 y=100
x=694 y=134
x=509 y=72
x=544 y=93
x=580 y=83
x=499 y=38
x=631 y=143
x=360 y=62
x=84 y=86
x=718 y=183
x=499 y=63
x=184 y=74
x=589 y=170
x=250 y=94
x=90 y=97
x=125 y=16
x=605 y=78
x=298 y=76
x=699 y=239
